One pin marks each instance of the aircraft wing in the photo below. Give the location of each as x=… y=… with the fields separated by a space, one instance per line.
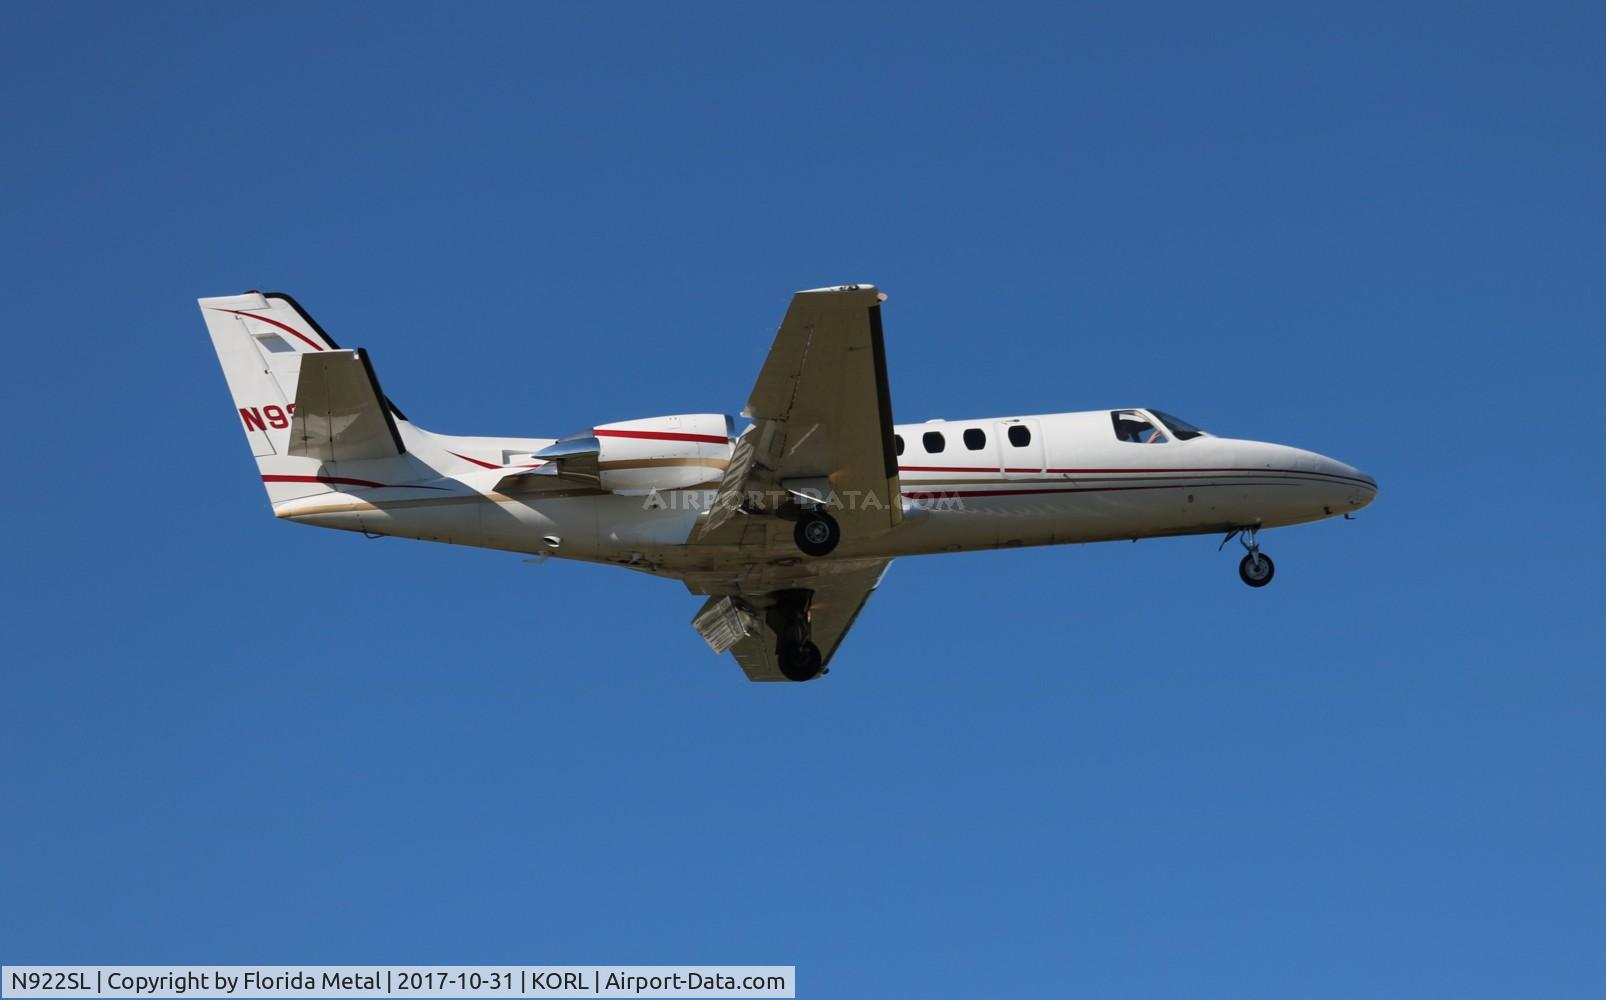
x=822 y=417
x=738 y=621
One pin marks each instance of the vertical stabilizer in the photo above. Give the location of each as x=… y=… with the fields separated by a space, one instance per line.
x=339 y=435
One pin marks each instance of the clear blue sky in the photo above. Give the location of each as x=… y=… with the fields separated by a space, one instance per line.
x=1106 y=771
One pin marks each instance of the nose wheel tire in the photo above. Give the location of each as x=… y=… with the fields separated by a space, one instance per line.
x=1256 y=569
x=816 y=533
x=799 y=661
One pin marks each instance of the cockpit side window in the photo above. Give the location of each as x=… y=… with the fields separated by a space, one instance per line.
x=1134 y=427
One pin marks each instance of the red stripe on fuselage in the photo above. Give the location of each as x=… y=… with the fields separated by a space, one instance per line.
x=341 y=481
x=954 y=494
x=483 y=465
x=493 y=465
x=1093 y=472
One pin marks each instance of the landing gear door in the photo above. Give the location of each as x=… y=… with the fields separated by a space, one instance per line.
x=1020 y=448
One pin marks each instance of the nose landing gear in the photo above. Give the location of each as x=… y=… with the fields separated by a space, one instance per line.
x=1256 y=568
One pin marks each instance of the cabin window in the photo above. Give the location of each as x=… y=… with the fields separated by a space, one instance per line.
x=975 y=439
x=1135 y=427
x=933 y=442
x=897 y=443
x=1020 y=435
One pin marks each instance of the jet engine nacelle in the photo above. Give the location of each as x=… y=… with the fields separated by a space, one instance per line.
x=639 y=456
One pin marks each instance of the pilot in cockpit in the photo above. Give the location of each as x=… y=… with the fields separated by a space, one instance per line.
x=1134 y=429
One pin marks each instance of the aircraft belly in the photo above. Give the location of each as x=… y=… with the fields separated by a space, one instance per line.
x=498 y=522
x=634 y=522
x=523 y=524
x=454 y=525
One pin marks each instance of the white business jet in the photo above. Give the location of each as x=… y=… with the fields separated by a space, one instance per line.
x=787 y=525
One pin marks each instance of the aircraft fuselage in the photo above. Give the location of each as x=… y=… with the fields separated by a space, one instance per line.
x=1069 y=480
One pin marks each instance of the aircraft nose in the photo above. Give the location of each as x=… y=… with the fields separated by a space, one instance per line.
x=1364 y=489
x=1366 y=492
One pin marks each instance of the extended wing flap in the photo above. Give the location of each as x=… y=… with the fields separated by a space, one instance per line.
x=340 y=413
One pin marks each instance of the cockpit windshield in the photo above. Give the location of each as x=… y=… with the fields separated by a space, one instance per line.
x=1151 y=427
x=1180 y=429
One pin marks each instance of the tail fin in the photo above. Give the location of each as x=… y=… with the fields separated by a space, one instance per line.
x=307 y=407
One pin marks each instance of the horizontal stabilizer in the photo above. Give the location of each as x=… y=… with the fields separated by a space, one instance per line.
x=340 y=414
x=576 y=458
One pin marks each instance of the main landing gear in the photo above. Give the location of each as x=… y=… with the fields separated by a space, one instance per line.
x=1256 y=568
x=800 y=661
x=816 y=532
x=798 y=657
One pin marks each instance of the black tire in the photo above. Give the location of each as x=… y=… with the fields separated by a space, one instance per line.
x=1248 y=573
x=799 y=661
x=816 y=533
